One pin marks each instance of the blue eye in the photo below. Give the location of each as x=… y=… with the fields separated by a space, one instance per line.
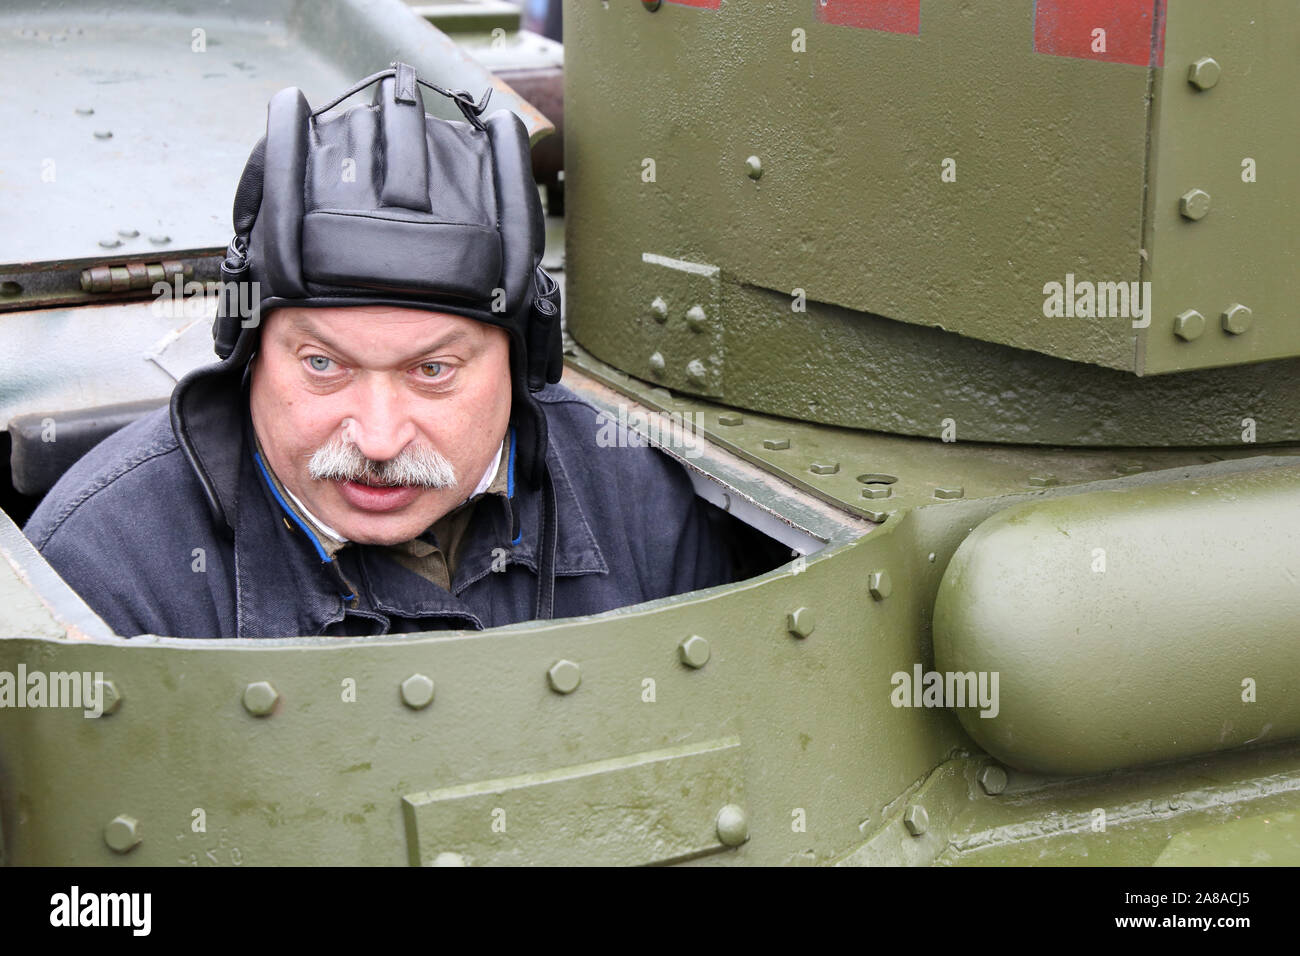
x=319 y=363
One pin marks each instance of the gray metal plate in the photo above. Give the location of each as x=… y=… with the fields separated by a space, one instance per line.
x=183 y=114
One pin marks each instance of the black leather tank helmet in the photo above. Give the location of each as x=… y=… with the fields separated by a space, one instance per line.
x=386 y=205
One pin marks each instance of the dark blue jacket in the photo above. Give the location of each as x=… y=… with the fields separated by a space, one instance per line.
x=131 y=529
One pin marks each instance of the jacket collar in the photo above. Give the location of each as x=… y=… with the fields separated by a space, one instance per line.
x=276 y=597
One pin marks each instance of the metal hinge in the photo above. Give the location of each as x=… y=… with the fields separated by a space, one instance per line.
x=133 y=275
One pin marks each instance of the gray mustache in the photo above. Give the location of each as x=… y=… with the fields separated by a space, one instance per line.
x=341 y=460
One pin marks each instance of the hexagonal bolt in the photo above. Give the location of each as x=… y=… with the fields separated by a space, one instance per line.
x=659 y=309
x=949 y=492
x=1194 y=204
x=694 y=651
x=732 y=825
x=800 y=622
x=260 y=698
x=776 y=444
x=754 y=167
x=657 y=364
x=696 y=320
x=916 y=819
x=564 y=676
x=110 y=696
x=417 y=691
x=874 y=492
x=1204 y=73
x=879 y=584
x=993 y=779
x=122 y=833
x=731 y=418
x=824 y=467
x=696 y=372
x=1189 y=325
x=1236 y=319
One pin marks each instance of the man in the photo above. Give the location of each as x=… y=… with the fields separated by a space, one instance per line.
x=382 y=448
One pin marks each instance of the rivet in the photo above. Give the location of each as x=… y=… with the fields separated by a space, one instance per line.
x=160 y=240
x=824 y=467
x=447 y=858
x=1236 y=318
x=696 y=372
x=916 y=819
x=417 y=691
x=800 y=622
x=880 y=585
x=695 y=318
x=1043 y=481
x=754 y=167
x=732 y=825
x=659 y=309
x=110 y=698
x=1194 y=204
x=122 y=833
x=776 y=444
x=949 y=492
x=110 y=243
x=564 y=676
x=731 y=418
x=1204 y=73
x=694 y=651
x=657 y=363
x=1189 y=325
x=103 y=134
x=993 y=779
x=128 y=233
x=260 y=698
x=877 y=491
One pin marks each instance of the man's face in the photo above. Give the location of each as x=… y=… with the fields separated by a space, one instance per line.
x=344 y=399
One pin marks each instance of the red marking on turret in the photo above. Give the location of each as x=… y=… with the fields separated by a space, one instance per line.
x=888 y=16
x=1134 y=30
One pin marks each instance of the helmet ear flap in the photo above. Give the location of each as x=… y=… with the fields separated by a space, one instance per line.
x=235 y=267
x=545 y=351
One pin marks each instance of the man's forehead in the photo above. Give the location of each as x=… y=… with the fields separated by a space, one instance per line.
x=313 y=320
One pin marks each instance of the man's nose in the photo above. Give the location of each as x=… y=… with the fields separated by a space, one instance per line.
x=381 y=425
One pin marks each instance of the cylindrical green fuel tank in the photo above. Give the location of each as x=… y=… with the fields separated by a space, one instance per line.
x=1133 y=626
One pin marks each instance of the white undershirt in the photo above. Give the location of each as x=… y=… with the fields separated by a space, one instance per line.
x=485 y=482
